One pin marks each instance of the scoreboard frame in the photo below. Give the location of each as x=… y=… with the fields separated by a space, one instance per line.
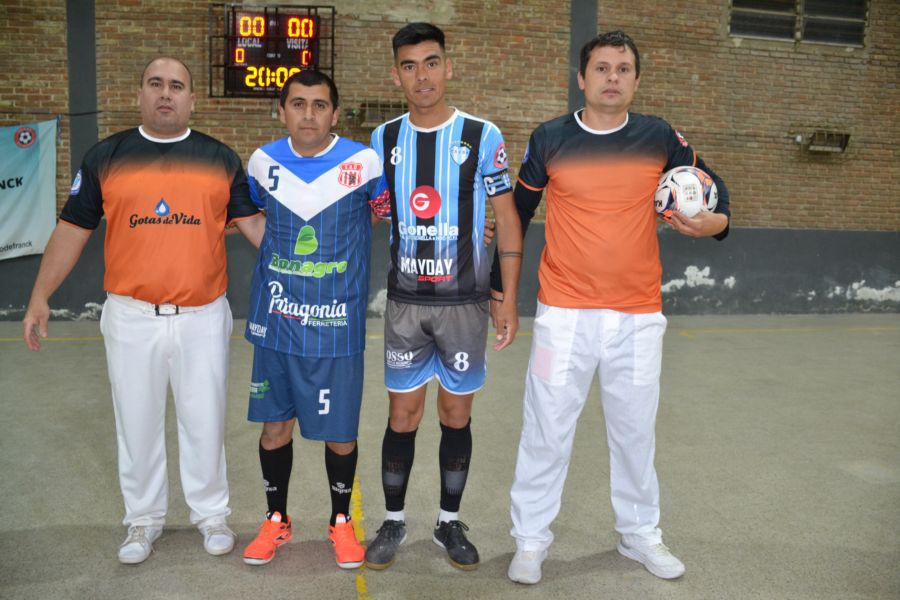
x=253 y=49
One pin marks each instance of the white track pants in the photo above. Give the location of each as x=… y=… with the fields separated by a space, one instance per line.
x=145 y=353
x=568 y=347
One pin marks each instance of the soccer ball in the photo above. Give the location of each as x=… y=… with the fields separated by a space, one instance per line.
x=687 y=190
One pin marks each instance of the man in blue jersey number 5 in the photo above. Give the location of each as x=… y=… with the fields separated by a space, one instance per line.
x=441 y=165
x=308 y=303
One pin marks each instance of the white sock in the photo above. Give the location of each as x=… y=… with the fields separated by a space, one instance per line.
x=394 y=515
x=446 y=517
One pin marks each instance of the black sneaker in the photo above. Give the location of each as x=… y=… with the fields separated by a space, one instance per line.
x=460 y=551
x=381 y=550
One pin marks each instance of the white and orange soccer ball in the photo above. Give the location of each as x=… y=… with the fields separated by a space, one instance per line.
x=687 y=190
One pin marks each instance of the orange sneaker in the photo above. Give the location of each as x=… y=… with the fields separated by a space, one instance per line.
x=347 y=551
x=272 y=533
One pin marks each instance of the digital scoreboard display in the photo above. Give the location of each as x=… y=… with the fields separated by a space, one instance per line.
x=266 y=45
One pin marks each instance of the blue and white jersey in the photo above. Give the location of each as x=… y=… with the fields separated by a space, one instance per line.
x=439 y=180
x=311 y=282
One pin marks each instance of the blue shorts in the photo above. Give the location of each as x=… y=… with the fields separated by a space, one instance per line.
x=324 y=394
x=422 y=342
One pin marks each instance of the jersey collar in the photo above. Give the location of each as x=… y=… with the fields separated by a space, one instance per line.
x=453 y=115
x=577 y=114
x=147 y=136
x=334 y=140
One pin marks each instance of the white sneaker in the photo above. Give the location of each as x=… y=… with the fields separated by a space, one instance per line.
x=139 y=544
x=526 y=566
x=656 y=557
x=218 y=539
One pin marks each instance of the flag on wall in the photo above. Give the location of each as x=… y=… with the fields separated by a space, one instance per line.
x=27 y=188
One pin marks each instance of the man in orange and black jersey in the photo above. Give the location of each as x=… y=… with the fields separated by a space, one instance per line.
x=600 y=306
x=167 y=194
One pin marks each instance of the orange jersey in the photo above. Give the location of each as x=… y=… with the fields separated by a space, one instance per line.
x=601 y=245
x=166 y=206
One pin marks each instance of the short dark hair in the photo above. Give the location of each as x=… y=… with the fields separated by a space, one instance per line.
x=309 y=78
x=416 y=33
x=153 y=60
x=610 y=38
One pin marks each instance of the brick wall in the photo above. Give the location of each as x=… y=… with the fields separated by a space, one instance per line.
x=738 y=101
x=515 y=79
x=741 y=101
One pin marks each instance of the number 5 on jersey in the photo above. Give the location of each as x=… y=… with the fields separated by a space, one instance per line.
x=273 y=177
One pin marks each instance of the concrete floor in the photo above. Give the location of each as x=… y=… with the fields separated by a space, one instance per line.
x=778 y=454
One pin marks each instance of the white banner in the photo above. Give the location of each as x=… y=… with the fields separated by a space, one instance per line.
x=27 y=188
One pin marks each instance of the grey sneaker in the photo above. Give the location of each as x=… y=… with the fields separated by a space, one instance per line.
x=460 y=551
x=381 y=551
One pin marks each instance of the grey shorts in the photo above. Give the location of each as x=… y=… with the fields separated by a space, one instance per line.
x=425 y=341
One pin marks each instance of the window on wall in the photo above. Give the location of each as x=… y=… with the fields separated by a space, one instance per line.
x=823 y=21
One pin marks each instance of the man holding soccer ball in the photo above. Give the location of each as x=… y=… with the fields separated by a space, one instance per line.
x=600 y=305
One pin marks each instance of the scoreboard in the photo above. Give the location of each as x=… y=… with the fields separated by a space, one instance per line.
x=264 y=45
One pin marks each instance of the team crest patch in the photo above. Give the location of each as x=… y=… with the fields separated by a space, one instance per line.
x=681 y=139
x=24 y=137
x=500 y=156
x=76 y=184
x=350 y=174
x=459 y=152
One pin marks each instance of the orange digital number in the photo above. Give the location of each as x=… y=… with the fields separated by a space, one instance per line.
x=239 y=55
x=301 y=28
x=244 y=26
x=252 y=26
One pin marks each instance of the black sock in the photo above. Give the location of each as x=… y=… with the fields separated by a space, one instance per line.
x=276 y=471
x=340 y=468
x=454 y=455
x=397 y=453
